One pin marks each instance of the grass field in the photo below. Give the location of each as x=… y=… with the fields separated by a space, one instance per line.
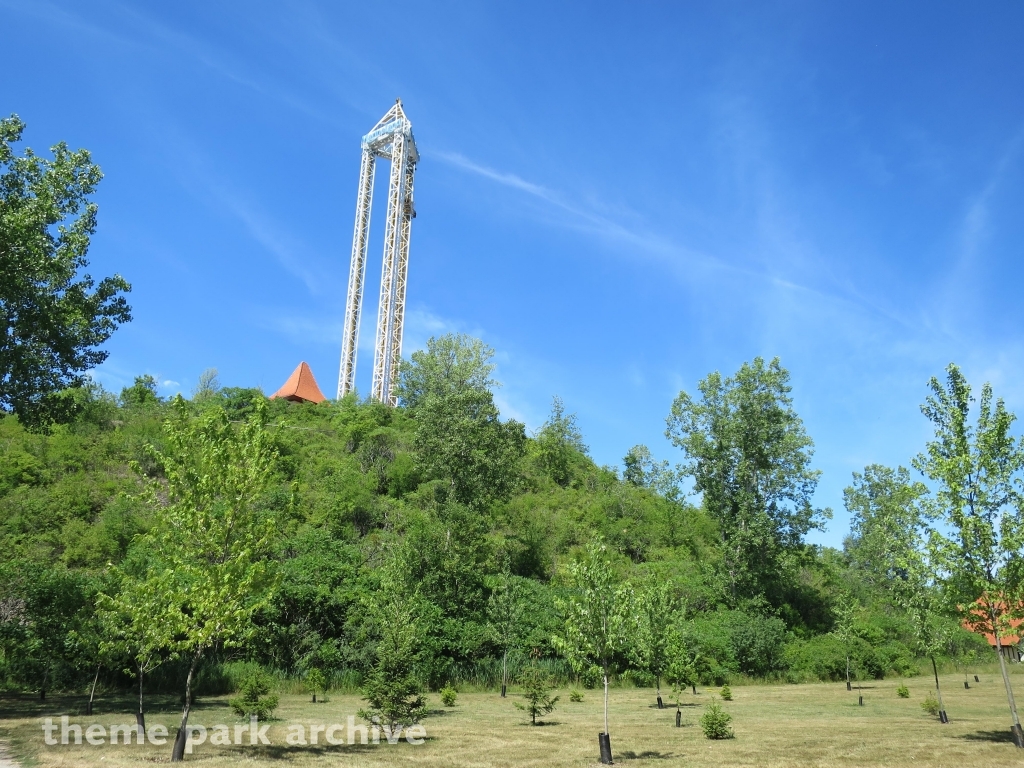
x=775 y=725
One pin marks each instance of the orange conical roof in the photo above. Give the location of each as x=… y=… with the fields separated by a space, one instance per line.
x=301 y=387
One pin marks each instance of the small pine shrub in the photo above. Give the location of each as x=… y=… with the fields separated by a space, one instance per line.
x=715 y=722
x=448 y=696
x=575 y=695
x=255 y=697
x=536 y=685
x=726 y=693
x=930 y=704
x=902 y=691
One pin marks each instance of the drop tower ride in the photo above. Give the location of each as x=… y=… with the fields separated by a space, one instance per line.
x=391 y=139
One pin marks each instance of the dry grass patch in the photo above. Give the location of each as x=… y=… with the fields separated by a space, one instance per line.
x=778 y=725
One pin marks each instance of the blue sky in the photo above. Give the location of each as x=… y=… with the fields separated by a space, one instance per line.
x=619 y=198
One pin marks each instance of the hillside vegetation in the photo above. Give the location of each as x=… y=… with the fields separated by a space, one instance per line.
x=472 y=503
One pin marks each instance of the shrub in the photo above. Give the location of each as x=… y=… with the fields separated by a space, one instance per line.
x=930 y=704
x=822 y=657
x=758 y=643
x=448 y=696
x=726 y=693
x=255 y=697
x=715 y=722
x=902 y=691
x=575 y=695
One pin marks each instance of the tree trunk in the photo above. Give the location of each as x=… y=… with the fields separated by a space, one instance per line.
x=92 y=691
x=848 y=686
x=140 y=716
x=178 y=752
x=657 y=685
x=1018 y=735
x=606 y=702
x=504 y=673
x=938 y=691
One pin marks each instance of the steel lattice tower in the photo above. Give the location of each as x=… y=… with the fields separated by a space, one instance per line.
x=392 y=139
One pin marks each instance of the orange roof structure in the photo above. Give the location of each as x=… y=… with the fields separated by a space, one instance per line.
x=1005 y=638
x=301 y=387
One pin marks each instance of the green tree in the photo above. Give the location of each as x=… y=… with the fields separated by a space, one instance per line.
x=316 y=681
x=464 y=447
x=715 y=722
x=211 y=542
x=889 y=522
x=885 y=506
x=505 y=618
x=53 y=318
x=596 y=628
x=46 y=623
x=845 y=611
x=461 y=443
x=683 y=658
x=130 y=630
x=208 y=386
x=975 y=469
x=749 y=457
x=451 y=364
x=653 y=617
x=141 y=393
x=392 y=689
x=641 y=470
x=560 y=443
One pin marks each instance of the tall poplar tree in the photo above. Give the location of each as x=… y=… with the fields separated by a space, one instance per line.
x=750 y=458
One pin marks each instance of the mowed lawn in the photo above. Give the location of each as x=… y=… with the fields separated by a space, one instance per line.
x=776 y=725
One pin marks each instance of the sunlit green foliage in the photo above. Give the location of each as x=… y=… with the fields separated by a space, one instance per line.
x=53 y=318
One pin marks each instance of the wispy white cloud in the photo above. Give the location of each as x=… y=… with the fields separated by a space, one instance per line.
x=52 y=15
x=218 y=61
x=686 y=263
x=580 y=217
x=975 y=229
x=290 y=253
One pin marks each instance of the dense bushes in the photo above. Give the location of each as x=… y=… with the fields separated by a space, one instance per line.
x=731 y=642
x=824 y=658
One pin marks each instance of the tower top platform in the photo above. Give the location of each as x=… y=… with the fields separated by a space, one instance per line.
x=381 y=138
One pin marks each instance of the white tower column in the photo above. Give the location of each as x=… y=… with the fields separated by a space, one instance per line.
x=391 y=139
x=356 y=275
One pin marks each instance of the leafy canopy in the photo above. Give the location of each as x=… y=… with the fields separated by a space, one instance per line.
x=977 y=473
x=52 y=319
x=462 y=444
x=210 y=544
x=559 y=443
